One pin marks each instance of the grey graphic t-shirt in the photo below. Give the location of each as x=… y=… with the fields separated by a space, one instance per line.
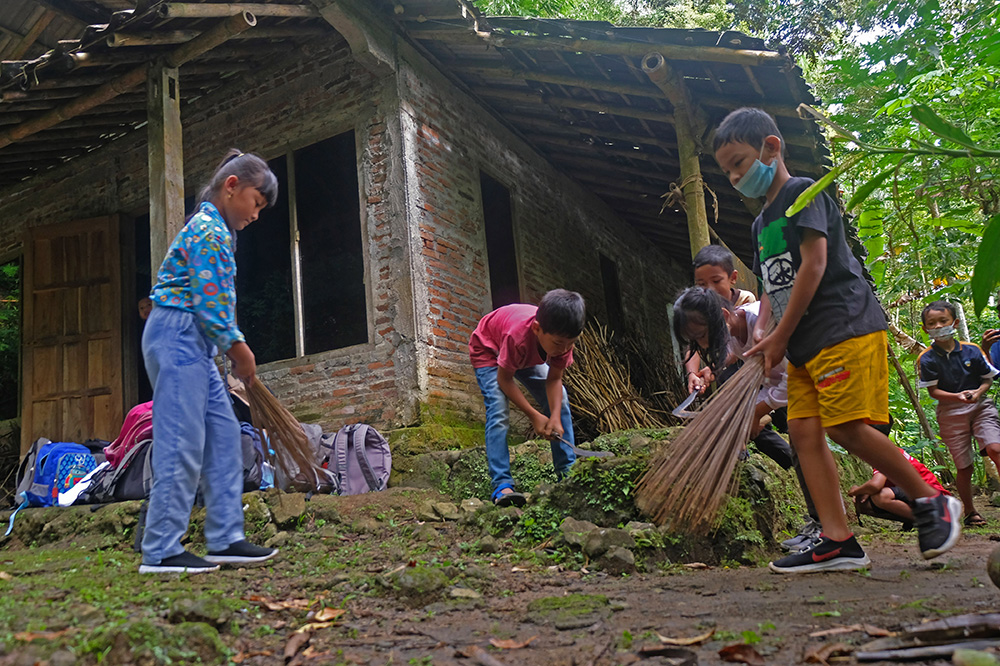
x=844 y=306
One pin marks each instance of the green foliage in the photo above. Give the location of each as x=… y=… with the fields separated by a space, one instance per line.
x=539 y=522
x=10 y=337
x=708 y=14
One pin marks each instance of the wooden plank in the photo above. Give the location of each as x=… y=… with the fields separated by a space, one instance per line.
x=72 y=332
x=166 y=160
x=32 y=35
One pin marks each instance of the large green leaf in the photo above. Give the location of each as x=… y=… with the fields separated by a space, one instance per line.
x=986 y=274
x=865 y=190
x=924 y=115
x=813 y=191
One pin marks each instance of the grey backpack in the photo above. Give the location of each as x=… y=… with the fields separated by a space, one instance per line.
x=359 y=458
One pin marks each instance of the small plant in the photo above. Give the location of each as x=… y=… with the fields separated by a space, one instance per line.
x=625 y=642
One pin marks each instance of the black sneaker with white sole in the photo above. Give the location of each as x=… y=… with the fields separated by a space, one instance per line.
x=183 y=563
x=939 y=523
x=827 y=555
x=241 y=553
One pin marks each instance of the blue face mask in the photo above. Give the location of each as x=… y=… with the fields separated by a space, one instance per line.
x=757 y=180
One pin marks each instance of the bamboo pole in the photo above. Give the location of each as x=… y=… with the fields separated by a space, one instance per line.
x=690 y=129
x=224 y=9
x=131 y=79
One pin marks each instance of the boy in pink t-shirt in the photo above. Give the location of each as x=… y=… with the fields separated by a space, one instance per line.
x=533 y=345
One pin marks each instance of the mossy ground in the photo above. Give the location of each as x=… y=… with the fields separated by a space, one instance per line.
x=70 y=590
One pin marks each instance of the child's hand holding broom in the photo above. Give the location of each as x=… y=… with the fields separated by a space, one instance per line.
x=244 y=363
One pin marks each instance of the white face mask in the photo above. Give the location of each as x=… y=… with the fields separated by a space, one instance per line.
x=942 y=333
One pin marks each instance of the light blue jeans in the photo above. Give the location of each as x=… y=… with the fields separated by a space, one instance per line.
x=498 y=423
x=196 y=438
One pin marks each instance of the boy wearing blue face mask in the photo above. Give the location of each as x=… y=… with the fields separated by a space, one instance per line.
x=958 y=375
x=832 y=330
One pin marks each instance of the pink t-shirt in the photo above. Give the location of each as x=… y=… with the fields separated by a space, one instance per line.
x=504 y=339
x=925 y=473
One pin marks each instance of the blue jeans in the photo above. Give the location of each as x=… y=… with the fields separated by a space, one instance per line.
x=196 y=438
x=498 y=423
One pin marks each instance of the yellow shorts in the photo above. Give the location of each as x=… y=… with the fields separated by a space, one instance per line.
x=845 y=382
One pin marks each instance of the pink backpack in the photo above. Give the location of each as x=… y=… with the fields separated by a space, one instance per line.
x=138 y=426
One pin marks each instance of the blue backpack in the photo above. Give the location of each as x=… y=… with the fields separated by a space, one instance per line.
x=58 y=467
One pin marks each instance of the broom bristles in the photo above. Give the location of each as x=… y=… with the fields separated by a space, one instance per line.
x=688 y=481
x=293 y=455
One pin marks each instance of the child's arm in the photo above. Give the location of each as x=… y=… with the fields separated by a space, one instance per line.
x=698 y=378
x=872 y=486
x=554 y=391
x=811 y=270
x=505 y=380
x=244 y=363
x=961 y=396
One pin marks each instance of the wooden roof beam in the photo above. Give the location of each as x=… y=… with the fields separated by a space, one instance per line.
x=224 y=9
x=75 y=11
x=211 y=38
x=633 y=89
x=637 y=49
x=571 y=103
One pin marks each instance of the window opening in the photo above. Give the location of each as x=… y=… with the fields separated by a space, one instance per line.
x=501 y=254
x=612 y=294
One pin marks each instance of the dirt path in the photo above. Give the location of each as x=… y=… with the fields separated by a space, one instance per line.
x=778 y=611
x=79 y=598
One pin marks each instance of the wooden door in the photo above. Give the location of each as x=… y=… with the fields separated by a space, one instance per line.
x=72 y=332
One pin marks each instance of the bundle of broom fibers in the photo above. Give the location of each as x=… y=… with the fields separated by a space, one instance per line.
x=602 y=391
x=688 y=481
x=293 y=455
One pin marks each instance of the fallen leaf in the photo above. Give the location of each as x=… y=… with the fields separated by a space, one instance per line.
x=295 y=643
x=510 y=644
x=837 y=630
x=312 y=626
x=520 y=569
x=872 y=630
x=28 y=636
x=694 y=640
x=243 y=656
x=696 y=565
x=293 y=604
x=328 y=614
x=742 y=653
x=833 y=613
x=5 y=576
x=821 y=654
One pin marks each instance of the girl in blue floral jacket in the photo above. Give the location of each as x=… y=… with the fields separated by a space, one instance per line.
x=196 y=437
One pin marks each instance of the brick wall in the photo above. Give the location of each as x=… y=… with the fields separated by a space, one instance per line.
x=560 y=230
x=421 y=144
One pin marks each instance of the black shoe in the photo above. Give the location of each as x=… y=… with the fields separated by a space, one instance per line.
x=183 y=563
x=827 y=555
x=938 y=522
x=241 y=552
x=510 y=499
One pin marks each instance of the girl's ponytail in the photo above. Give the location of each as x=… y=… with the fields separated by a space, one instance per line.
x=702 y=306
x=249 y=168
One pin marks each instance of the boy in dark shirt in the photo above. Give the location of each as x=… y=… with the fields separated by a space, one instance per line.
x=957 y=375
x=832 y=331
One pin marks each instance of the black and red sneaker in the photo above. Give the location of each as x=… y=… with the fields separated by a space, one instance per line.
x=938 y=522
x=827 y=555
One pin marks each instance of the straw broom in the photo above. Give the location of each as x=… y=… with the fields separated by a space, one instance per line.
x=688 y=481
x=293 y=455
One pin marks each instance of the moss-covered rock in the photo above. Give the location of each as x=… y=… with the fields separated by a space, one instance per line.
x=148 y=642
x=572 y=611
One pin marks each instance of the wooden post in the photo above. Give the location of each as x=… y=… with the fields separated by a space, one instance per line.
x=689 y=126
x=166 y=160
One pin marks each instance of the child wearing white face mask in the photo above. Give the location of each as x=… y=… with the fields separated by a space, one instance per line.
x=958 y=375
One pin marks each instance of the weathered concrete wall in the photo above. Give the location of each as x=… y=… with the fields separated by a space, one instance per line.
x=560 y=231
x=314 y=93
